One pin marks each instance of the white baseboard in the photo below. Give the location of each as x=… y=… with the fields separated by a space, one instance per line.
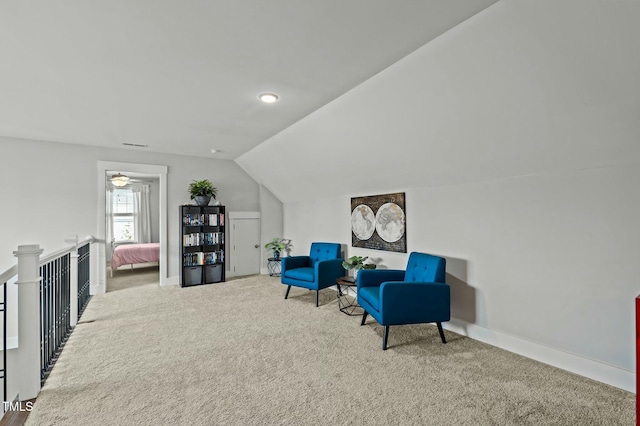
x=614 y=376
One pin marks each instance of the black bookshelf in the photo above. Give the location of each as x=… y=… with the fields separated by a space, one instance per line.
x=202 y=245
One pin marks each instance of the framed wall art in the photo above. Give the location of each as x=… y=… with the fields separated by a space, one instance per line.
x=378 y=222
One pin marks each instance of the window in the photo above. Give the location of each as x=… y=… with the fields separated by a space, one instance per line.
x=123 y=225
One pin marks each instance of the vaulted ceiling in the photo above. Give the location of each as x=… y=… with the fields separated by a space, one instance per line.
x=183 y=76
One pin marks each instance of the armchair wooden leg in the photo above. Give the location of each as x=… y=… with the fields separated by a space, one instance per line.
x=385 y=337
x=317 y=297
x=287 y=293
x=364 y=317
x=439 y=324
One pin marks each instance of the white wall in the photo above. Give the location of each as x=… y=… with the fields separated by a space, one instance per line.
x=515 y=137
x=50 y=192
x=271 y=223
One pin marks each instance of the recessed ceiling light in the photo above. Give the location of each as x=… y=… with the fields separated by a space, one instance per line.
x=268 y=98
x=213 y=151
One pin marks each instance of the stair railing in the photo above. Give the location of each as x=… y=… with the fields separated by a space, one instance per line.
x=52 y=292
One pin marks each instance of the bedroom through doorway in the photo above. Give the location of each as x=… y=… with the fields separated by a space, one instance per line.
x=132 y=214
x=132 y=218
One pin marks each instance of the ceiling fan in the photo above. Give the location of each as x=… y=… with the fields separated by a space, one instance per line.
x=120 y=180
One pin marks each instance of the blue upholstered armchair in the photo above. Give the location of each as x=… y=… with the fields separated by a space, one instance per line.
x=417 y=295
x=317 y=271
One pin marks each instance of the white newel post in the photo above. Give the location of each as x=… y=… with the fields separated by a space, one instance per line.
x=73 y=288
x=28 y=320
x=98 y=270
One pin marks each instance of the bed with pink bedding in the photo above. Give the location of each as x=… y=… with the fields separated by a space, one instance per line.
x=131 y=254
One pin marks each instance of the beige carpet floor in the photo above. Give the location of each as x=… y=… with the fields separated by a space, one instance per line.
x=237 y=353
x=127 y=277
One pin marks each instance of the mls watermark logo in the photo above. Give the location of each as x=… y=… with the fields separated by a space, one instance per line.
x=17 y=406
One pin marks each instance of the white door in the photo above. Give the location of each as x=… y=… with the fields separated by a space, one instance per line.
x=245 y=245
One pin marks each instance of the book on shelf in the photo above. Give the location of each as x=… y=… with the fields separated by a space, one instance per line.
x=192 y=219
x=214 y=257
x=193 y=239
x=210 y=219
x=212 y=238
x=193 y=259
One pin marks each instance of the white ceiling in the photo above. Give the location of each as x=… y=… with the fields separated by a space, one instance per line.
x=183 y=76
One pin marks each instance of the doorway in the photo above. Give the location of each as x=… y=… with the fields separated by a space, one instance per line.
x=132 y=224
x=245 y=243
x=154 y=171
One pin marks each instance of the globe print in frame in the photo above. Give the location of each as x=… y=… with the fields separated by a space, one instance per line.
x=363 y=222
x=386 y=229
x=390 y=222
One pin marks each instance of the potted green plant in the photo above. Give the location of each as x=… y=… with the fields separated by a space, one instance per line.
x=357 y=263
x=276 y=245
x=202 y=191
